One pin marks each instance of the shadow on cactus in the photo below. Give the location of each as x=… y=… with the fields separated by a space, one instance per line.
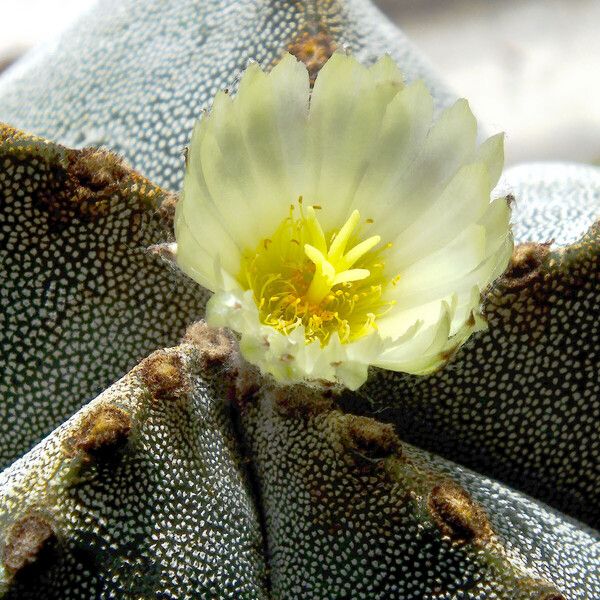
x=338 y=231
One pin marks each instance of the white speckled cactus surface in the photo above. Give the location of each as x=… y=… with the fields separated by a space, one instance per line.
x=144 y=458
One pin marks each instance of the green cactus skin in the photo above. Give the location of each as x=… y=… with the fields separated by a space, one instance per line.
x=351 y=508
x=67 y=524
x=146 y=494
x=84 y=298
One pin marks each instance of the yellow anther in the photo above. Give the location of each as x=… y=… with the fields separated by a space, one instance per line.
x=309 y=282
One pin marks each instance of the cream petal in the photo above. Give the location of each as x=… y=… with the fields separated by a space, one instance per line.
x=449 y=143
x=253 y=154
x=467 y=305
x=364 y=143
x=347 y=108
x=386 y=72
x=398 y=322
x=496 y=221
x=492 y=267
x=222 y=154
x=259 y=114
x=308 y=357
x=205 y=226
x=291 y=90
x=192 y=259
x=408 y=356
x=491 y=153
x=226 y=194
x=405 y=125
x=352 y=374
x=463 y=201
x=430 y=362
x=500 y=259
x=459 y=257
x=228 y=208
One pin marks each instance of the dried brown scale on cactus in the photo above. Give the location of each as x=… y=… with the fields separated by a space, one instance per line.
x=93 y=177
x=457 y=515
x=368 y=437
x=525 y=266
x=101 y=430
x=314 y=50
x=163 y=374
x=24 y=541
x=299 y=402
x=217 y=345
x=167 y=212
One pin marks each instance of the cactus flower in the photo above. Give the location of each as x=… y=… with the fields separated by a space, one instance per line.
x=341 y=227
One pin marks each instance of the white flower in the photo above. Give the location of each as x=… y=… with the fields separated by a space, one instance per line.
x=340 y=229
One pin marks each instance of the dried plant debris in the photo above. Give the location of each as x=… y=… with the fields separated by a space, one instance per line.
x=167 y=515
x=395 y=523
x=521 y=401
x=314 y=50
x=83 y=299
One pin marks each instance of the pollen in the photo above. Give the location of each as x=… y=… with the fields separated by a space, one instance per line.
x=299 y=279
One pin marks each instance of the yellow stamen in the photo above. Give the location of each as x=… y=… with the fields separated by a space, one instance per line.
x=298 y=279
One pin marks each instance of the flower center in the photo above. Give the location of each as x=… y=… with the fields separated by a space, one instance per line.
x=298 y=278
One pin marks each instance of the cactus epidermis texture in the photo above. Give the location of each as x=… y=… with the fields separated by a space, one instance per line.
x=109 y=505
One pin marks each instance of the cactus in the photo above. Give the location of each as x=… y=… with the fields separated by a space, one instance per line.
x=192 y=476
x=145 y=492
